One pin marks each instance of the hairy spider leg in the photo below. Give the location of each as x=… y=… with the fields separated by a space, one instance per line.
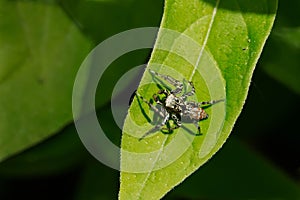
x=165 y=115
x=177 y=122
x=196 y=123
x=212 y=102
x=157 y=127
x=155 y=109
x=157 y=98
x=172 y=81
x=190 y=93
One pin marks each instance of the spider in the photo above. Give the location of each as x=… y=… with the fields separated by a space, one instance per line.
x=176 y=108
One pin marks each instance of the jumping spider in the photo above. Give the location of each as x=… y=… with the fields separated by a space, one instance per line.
x=176 y=108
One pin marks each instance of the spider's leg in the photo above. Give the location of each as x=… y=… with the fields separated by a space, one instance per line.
x=196 y=123
x=157 y=99
x=177 y=122
x=170 y=128
x=174 y=82
x=210 y=102
x=190 y=93
x=157 y=127
x=155 y=109
x=165 y=92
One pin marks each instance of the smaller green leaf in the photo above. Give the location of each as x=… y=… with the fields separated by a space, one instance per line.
x=115 y=15
x=40 y=52
x=110 y=1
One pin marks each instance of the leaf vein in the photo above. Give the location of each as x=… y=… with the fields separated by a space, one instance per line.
x=205 y=39
x=195 y=67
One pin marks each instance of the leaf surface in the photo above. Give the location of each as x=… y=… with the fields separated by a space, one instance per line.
x=214 y=44
x=40 y=52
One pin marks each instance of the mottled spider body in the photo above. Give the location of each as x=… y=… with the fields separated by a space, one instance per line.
x=175 y=107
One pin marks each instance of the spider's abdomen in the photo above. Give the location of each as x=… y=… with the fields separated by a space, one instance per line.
x=197 y=113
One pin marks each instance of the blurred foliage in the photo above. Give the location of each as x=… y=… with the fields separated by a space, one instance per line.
x=281 y=57
x=237 y=173
x=36 y=74
x=266 y=134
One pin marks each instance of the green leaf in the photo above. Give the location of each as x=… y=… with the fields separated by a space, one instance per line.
x=117 y=16
x=215 y=44
x=40 y=52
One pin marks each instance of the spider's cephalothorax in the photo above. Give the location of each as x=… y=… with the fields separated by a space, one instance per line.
x=175 y=107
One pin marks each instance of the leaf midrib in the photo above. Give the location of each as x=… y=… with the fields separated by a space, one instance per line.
x=190 y=79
